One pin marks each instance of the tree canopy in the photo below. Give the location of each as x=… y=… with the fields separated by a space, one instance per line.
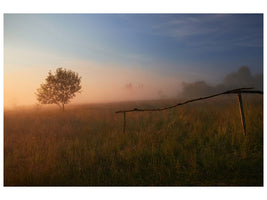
x=59 y=88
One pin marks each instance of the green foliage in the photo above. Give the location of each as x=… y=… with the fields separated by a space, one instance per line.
x=199 y=144
x=59 y=88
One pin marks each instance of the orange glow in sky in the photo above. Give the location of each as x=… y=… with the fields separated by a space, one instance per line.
x=100 y=83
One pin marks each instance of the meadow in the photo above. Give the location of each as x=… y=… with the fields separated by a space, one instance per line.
x=198 y=144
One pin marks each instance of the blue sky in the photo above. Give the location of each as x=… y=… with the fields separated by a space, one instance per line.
x=188 y=47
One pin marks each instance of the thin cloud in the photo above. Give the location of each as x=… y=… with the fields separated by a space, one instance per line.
x=210 y=30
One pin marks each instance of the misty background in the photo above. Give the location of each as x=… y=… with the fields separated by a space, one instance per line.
x=241 y=78
x=237 y=79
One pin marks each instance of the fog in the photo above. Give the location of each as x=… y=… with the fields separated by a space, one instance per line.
x=240 y=78
x=101 y=85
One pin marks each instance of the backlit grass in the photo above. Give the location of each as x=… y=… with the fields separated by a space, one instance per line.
x=196 y=144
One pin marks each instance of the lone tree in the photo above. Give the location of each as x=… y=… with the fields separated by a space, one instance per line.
x=59 y=88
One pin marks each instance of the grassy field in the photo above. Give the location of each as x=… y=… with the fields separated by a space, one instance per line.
x=199 y=144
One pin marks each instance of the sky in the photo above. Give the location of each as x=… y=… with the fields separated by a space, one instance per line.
x=124 y=57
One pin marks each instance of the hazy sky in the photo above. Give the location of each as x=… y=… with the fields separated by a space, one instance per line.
x=153 y=53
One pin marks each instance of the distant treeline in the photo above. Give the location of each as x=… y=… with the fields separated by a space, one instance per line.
x=241 y=78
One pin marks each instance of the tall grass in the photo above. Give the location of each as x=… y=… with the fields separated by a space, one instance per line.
x=196 y=144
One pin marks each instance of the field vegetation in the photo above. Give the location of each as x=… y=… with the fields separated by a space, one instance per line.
x=198 y=144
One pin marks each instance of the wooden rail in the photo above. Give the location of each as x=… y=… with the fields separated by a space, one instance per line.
x=237 y=91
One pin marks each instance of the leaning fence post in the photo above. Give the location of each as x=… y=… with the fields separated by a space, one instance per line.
x=124 y=121
x=242 y=113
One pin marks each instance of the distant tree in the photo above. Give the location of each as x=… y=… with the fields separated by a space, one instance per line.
x=240 y=78
x=129 y=86
x=196 y=89
x=59 y=88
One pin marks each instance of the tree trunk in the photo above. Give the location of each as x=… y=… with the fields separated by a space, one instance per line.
x=63 y=106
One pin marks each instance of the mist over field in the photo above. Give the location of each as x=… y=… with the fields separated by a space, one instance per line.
x=138 y=89
x=242 y=78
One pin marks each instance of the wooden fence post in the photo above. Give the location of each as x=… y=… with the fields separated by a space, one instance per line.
x=242 y=113
x=124 y=121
